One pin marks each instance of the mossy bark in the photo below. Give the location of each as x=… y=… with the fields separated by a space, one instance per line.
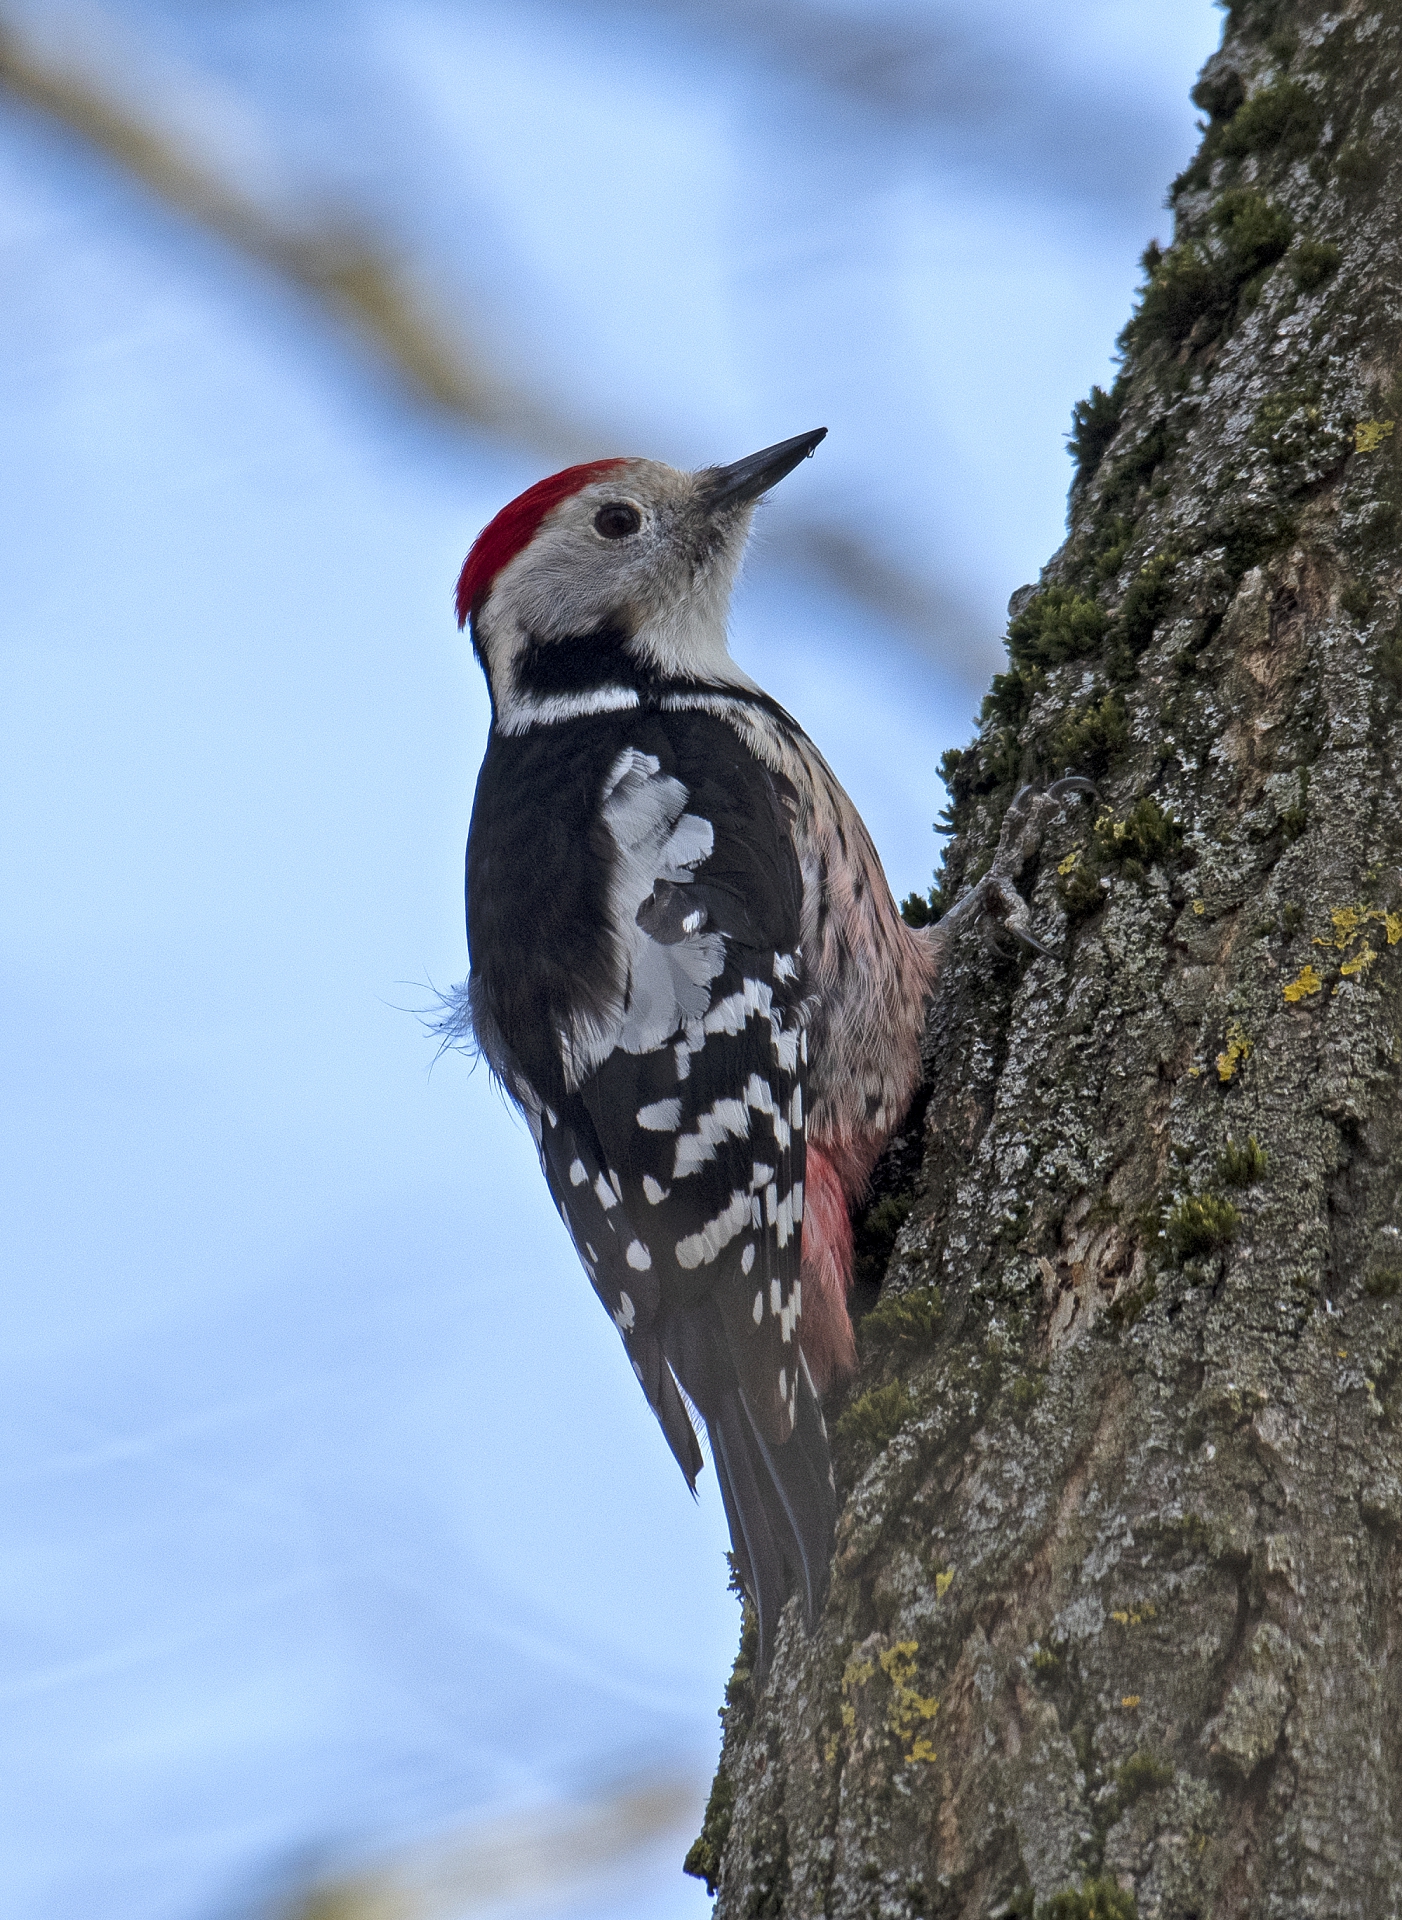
x=1117 y=1600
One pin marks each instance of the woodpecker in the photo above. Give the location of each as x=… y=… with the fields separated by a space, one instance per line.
x=688 y=972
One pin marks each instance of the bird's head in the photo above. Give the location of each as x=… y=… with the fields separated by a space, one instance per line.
x=612 y=579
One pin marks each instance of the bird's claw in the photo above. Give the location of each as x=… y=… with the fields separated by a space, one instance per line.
x=995 y=900
x=1073 y=783
x=1003 y=908
x=1026 y=819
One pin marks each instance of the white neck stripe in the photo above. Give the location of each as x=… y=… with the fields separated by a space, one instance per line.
x=527 y=712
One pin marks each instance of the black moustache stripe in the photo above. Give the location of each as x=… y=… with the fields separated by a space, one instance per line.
x=583 y=663
x=602 y=660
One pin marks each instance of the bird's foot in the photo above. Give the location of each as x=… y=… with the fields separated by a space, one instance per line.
x=994 y=903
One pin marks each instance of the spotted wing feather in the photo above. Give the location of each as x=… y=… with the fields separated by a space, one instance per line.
x=590 y=1204
x=669 y=1103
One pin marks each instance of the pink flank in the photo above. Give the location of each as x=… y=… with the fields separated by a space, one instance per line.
x=514 y=528
x=828 y=1345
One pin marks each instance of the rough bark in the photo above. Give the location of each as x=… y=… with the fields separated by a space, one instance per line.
x=1115 y=1613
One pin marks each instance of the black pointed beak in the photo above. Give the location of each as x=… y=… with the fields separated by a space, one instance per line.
x=746 y=480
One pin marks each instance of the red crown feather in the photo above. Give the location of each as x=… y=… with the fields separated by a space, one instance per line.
x=514 y=528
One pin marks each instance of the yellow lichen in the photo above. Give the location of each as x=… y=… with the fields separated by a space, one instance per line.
x=1368 y=435
x=1068 y=864
x=1360 y=963
x=1237 y=1051
x=1306 y=981
x=1346 y=922
x=942 y=1581
x=1350 y=927
x=1130 y=1700
x=1199 y=906
x=1135 y=1616
x=909 y=1707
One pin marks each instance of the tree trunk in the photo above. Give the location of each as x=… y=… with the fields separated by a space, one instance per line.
x=1114 y=1625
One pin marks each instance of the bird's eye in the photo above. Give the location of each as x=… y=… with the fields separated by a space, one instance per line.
x=617 y=520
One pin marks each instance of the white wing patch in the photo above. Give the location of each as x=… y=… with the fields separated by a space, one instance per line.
x=660 y=985
x=723 y=1120
x=698 y=1249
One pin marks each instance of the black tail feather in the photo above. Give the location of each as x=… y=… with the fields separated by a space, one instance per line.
x=676 y=1424
x=748 y=1507
x=779 y=1496
x=781 y=1506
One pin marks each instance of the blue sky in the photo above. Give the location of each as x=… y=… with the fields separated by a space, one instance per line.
x=333 y=1516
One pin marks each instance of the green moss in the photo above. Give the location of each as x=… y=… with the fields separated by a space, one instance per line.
x=1120 y=490
x=1198 y=1224
x=1297 y=435
x=1361 y=164
x=1142 y=1774
x=1090 y=739
x=1356 y=601
x=1312 y=262
x=874 y=1235
x=1146 y=602
x=874 y=1419
x=1242 y=1165
x=1056 y=625
x=1193 y=289
x=1185 y=288
x=902 y=1320
x=1251 y=533
x=1144 y=837
x=1094 y=423
x=703 y=1858
x=1078 y=888
x=1124 y=1311
x=704 y=1855
x=1283 y=118
x=1254 y=232
x=1189 y=1534
x=1219 y=94
x=1147 y=832
x=1093 y=1900
x=1048 y=1665
x=1026 y=1390
x=1383 y=1283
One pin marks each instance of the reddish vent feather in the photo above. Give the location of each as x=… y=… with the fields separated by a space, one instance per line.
x=514 y=528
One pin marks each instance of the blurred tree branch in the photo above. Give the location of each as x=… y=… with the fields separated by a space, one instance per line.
x=348 y=272
x=539 y=1853
x=354 y=275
